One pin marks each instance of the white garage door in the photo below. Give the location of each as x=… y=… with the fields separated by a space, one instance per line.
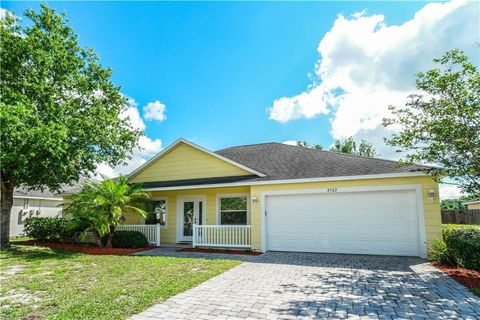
x=380 y=222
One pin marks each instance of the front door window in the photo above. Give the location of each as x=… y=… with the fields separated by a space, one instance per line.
x=188 y=216
x=191 y=212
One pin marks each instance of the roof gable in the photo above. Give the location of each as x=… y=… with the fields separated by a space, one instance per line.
x=186 y=160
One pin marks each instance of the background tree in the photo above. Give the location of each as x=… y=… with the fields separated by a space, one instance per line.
x=306 y=144
x=59 y=110
x=102 y=206
x=451 y=204
x=441 y=124
x=350 y=146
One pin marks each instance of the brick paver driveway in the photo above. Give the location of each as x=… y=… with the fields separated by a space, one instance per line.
x=324 y=286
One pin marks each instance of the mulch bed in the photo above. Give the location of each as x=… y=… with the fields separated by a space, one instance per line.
x=469 y=278
x=85 y=248
x=247 y=253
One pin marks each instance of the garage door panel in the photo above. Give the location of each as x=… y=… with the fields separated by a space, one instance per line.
x=361 y=222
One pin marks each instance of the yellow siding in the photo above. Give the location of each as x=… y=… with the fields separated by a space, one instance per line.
x=473 y=206
x=168 y=234
x=132 y=219
x=433 y=223
x=187 y=162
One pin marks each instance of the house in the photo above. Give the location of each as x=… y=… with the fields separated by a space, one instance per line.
x=36 y=203
x=473 y=203
x=278 y=197
x=32 y=203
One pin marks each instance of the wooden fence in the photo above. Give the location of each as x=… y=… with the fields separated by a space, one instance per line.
x=461 y=216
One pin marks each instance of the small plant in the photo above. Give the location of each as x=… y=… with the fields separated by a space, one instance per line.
x=438 y=252
x=129 y=239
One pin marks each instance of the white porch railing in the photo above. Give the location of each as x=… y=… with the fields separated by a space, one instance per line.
x=150 y=231
x=237 y=236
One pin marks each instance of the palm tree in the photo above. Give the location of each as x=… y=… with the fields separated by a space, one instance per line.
x=103 y=205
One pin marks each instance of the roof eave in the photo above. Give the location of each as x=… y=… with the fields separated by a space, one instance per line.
x=290 y=181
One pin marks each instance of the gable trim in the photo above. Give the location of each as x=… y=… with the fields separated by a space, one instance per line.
x=193 y=145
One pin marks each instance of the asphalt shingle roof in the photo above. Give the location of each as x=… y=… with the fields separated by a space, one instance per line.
x=73 y=187
x=280 y=161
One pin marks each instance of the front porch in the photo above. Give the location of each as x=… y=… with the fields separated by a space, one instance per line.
x=223 y=236
x=209 y=236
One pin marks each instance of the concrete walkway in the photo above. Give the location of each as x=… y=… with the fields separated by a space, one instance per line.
x=321 y=286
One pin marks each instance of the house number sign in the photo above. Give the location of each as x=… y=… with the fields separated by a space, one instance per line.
x=332 y=189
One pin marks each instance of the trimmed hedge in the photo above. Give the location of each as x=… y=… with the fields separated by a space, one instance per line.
x=460 y=246
x=468 y=231
x=466 y=252
x=129 y=239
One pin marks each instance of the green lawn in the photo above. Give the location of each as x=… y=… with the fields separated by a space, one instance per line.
x=40 y=283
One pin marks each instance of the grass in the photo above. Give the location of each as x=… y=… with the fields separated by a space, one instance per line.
x=41 y=283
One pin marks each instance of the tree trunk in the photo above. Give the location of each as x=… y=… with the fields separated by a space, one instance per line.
x=110 y=237
x=6 y=203
x=98 y=238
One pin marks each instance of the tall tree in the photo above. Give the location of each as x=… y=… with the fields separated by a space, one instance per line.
x=59 y=110
x=350 y=146
x=441 y=123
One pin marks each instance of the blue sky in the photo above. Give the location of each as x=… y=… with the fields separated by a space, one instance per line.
x=222 y=69
x=216 y=66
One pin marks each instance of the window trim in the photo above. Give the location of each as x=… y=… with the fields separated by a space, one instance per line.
x=220 y=196
x=142 y=220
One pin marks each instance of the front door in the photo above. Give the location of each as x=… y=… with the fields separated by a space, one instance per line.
x=191 y=212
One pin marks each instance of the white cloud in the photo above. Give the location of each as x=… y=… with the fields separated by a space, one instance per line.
x=147 y=147
x=449 y=191
x=133 y=114
x=154 y=111
x=366 y=65
x=291 y=142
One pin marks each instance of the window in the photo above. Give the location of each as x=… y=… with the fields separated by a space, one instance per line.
x=233 y=210
x=157 y=212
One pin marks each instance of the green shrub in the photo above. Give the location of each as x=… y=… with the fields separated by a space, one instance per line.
x=438 y=252
x=468 y=231
x=466 y=252
x=463 y=244
x=72 y=230
x=53 y=229
x=44 y=229
x=129 y=239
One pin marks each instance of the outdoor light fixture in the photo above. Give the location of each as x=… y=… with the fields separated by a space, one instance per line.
x=431 y=194
x=254 y=199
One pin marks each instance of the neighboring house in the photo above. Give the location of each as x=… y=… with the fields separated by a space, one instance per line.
x=273 y=196
x=473 y=203
x=36 y=203
x=32 y=203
